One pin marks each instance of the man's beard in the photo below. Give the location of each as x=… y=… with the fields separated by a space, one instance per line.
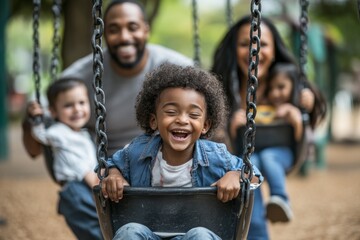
x=139 y=55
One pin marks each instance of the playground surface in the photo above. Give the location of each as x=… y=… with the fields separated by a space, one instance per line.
x=326 y=203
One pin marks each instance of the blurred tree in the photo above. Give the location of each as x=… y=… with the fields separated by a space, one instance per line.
x=342 y=15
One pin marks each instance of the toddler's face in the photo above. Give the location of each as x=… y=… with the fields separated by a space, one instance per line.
x=280 y=88
x=180 y=119
x=72 y=107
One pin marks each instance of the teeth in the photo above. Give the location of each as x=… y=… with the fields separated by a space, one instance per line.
x=127 y=49
x=180 y=131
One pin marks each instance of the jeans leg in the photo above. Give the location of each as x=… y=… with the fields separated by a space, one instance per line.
x=275 y=162
x=135 y=231
x=258 y=224
x=77 y=205
x=199 y=233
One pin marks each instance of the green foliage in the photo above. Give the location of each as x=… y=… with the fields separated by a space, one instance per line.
x=341 y=24
x=173 y=28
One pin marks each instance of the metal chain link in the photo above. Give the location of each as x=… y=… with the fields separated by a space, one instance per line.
x=249 y=136
x=229 y=13
x=99 y=96
x=36 y=53
x=254 y=49
x=197 y=48
x=304 y=19
x=54 y=65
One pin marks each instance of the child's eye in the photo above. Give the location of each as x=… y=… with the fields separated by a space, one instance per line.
x=194 y=115
x=170 y=112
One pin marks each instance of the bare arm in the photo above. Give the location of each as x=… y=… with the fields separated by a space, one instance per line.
x=91 y=179
x=293 y=116
x=32 y=147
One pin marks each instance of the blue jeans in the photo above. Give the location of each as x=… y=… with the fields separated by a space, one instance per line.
x=273 y=164
x=77 y=205
x=136 y=231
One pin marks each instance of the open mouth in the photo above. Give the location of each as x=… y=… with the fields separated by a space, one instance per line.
x=126 y=51
x=180 y=135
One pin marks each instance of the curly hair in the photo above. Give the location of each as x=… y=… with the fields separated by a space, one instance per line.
x=173 y=76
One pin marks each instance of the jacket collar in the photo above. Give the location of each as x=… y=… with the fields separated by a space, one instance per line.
x=154 y=143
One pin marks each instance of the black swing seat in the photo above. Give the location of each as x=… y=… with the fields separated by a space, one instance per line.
x=273 y=134
x=174 y=210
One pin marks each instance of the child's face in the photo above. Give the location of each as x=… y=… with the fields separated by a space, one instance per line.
x=280 y=88
x=181 y=119
x=72 y=107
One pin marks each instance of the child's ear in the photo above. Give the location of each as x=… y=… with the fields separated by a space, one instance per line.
x=206 y=127
x=153 y=122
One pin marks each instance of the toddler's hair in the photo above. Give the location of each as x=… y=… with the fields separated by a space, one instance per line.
x=59 y=86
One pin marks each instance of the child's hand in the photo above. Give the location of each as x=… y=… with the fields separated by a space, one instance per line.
x=228 y=187
x=113 y=185
x=34 y=109
x=307 y=99
x=293 y=116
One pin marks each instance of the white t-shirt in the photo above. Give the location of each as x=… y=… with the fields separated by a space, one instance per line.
x=74 y=152
x=165 y=175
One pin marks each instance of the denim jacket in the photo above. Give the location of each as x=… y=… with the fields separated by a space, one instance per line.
x=210 y=161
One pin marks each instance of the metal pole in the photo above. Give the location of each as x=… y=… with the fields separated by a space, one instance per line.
x=4 y=11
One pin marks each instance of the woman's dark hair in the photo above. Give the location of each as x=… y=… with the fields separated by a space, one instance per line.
x=173 y=76
x=225 y=59
x=59 y=86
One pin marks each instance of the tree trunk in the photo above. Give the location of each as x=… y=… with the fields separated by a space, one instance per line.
x=78 y=29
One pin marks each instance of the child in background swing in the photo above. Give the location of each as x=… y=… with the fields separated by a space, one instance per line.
x=282 y=94
x=178 y=107
x=274 y=161
x=73 y=151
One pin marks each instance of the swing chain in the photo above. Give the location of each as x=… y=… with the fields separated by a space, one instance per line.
x=56 y=9
x=36 y=54
x=249 y=136
x=254 y=49
x=99 y=96
x=304 y=19
x=228 y=13
x=196 y=36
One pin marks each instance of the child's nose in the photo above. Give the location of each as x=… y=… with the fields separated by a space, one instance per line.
x=182 y=118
